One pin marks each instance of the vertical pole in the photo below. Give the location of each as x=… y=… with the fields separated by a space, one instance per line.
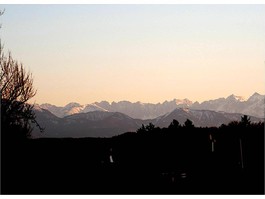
x=241 y=153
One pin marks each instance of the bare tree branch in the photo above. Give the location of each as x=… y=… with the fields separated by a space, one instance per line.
x=16 y=86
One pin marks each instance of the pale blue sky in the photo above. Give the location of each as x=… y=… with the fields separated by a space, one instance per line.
x=148 y=53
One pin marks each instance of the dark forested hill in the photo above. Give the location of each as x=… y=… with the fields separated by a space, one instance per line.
x=174 y=160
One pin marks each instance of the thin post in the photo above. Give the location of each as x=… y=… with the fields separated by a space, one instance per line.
x=241 y=153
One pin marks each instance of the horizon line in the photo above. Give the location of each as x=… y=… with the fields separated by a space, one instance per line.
x=134 y=102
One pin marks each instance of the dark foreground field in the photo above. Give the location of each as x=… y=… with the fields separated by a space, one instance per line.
x=161 y=161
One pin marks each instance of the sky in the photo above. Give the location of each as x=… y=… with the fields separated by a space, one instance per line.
x=147 y=53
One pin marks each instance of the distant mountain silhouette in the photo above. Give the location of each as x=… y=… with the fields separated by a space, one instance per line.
x=254 y=106
x=108 y=124
x=200 y=118
x=91 y=124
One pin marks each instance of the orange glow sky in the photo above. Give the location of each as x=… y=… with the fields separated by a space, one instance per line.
x=148 y=53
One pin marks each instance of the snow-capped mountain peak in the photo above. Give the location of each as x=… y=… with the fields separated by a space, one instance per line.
x=235 y=98
x=232 y=104
x=92 y=107
x=255 y=97
x=37 y=107
x=187 y=110
x=71 y=105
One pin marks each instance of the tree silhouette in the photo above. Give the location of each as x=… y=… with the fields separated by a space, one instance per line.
x=245 y=121
x=150 y=127
x=16 y=89
x=141 y=130
x=188 y=124
x=174 y=124
x=233 y=124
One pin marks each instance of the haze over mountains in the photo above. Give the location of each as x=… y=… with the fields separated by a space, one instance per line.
x=108 y=124
x=107 y=120
x=253 y=106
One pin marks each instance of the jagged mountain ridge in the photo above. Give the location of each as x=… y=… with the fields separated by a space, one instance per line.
x=108 y=124
x=254 y=106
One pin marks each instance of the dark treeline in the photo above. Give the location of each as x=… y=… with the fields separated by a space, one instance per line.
x=174 y=160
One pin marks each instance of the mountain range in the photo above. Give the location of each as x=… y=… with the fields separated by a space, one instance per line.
x=108 y=124
x=253 y=106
